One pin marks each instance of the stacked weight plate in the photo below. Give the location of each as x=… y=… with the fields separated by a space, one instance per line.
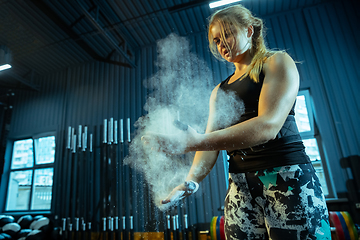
x=340 y=221
x=344 y=226
x=217 y=228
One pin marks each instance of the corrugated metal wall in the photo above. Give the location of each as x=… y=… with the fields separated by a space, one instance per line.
x=334 y=25
x=88 y=94
x=334 y=33
x=322 y=37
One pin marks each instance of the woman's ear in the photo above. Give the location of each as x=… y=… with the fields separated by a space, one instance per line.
x=250 y=31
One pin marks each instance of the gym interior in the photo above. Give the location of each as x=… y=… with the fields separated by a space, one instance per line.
x=84 y=79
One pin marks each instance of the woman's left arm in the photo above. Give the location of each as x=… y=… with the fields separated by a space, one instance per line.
x=278 y=94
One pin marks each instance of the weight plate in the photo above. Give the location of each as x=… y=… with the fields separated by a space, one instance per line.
x=218 y=228
x=337 y=224
x=222 y=226
x=213 y=228
x=351 y=226
x=344 y=226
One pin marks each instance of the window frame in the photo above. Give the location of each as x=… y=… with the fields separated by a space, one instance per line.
x=310 y=111
x=5 y=180
x=314 y=133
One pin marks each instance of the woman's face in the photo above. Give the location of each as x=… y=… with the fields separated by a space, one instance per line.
x=237 y=44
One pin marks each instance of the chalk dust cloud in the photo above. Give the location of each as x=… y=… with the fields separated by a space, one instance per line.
x=179 y=90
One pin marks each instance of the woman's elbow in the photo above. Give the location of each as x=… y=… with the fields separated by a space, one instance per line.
x=270 y=131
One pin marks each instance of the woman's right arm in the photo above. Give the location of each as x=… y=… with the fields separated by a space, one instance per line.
x=204 y=161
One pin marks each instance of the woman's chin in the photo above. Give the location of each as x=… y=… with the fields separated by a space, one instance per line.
x=229 y=59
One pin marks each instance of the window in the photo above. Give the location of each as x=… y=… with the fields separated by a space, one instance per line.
x=305 y=121
x=31 y=174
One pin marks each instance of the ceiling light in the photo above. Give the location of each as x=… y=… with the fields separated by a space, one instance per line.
x=5 y=66
x=222 y=3
x=5 y=58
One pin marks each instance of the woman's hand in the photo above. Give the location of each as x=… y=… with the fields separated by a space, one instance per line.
x=172 y=143
x=180 y=192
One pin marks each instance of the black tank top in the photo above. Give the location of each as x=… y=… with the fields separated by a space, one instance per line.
x=286 y=149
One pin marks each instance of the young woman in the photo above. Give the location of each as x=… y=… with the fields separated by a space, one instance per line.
x=273 y=192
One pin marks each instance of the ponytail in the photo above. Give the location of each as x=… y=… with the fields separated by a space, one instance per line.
x=259 y=51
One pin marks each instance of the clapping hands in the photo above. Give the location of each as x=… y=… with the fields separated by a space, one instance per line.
x=179 y=143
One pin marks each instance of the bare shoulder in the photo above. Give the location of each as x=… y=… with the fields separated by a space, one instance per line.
x=216 y=88
x=214 y=92
x=279 y=61
x=280 y=66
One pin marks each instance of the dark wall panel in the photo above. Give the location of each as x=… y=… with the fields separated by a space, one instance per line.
x=323 y=39
x=89 y=93
x=335 y=52
x=334 y=38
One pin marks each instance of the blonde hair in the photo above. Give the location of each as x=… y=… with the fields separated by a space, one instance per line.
x=231 y=20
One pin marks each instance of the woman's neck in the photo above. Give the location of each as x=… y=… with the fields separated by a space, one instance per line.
x=242 y=65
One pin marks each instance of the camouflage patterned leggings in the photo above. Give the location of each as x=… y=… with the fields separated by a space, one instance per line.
x=284 y=203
